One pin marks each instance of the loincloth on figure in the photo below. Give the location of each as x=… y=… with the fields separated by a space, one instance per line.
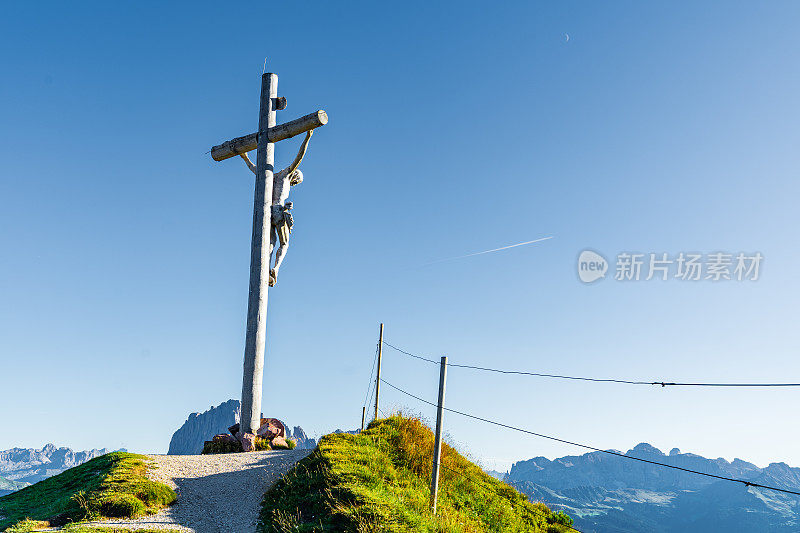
x=282 y=221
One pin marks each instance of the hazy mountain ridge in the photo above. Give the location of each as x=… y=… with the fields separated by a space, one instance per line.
x=607 y=493
x=20 y=467
x=7 y=486
x=497 y=475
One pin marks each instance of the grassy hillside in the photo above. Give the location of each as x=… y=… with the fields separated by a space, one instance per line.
x=379 y=480
x=112 y=485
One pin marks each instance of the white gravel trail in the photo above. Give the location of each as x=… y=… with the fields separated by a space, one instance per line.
x=216 y=493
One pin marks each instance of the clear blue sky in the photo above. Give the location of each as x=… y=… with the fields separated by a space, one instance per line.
x=454 y=128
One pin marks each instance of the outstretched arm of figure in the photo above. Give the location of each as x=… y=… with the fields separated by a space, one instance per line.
x=300 y=153
x=249 y=163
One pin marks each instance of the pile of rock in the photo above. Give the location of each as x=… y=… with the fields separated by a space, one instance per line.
x=191 y=437
x=271 y=434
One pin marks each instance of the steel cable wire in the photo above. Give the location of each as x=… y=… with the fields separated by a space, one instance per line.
x=598 y=380
x=586 y=446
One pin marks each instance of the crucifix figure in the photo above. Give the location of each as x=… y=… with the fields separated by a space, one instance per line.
x=270 y=217
x=282 y=220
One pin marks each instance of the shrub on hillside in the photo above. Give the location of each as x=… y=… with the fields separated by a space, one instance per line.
x=212 y=447
x=560 y=517
x=233 y=446
x=118 y=505
x=290 y=444
x=27 y=525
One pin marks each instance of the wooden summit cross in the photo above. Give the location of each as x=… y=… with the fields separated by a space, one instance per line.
x=268 y=133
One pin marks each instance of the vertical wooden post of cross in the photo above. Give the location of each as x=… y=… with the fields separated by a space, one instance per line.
x=255 y=340
x=263 y=140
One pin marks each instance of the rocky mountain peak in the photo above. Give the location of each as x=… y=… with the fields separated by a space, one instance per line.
x=647 y=449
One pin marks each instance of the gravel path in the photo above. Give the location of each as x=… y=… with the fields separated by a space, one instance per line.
x=216 y=493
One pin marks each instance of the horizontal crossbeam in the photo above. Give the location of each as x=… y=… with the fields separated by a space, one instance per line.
x=241 y=145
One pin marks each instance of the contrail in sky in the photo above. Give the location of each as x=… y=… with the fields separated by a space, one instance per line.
x=489 y=251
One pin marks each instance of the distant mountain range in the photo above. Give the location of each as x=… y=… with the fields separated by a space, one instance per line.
x=200 y=427
x=7 y=486
x=497 y=475
x=604 y=493
x=20 y=467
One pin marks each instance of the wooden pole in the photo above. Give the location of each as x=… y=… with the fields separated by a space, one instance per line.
x=363 y=416
x=255 y=339
x=241 y=145
x=437 y=445
x=378 y=376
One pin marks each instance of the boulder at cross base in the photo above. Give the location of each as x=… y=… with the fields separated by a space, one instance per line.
x=279 y=442
x=248 y=442
x=271 y=428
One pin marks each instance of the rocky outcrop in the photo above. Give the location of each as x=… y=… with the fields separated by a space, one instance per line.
x=29 y=465
x=200 y=427
x=304 y=442
x=299 y=434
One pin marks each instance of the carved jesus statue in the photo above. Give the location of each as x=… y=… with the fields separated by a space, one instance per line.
x=282 y=220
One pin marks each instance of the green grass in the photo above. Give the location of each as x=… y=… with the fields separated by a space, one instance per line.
x=379 y=480
x=112 y=485
x=26 y=526
x=89 y=529
x=86 y=529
